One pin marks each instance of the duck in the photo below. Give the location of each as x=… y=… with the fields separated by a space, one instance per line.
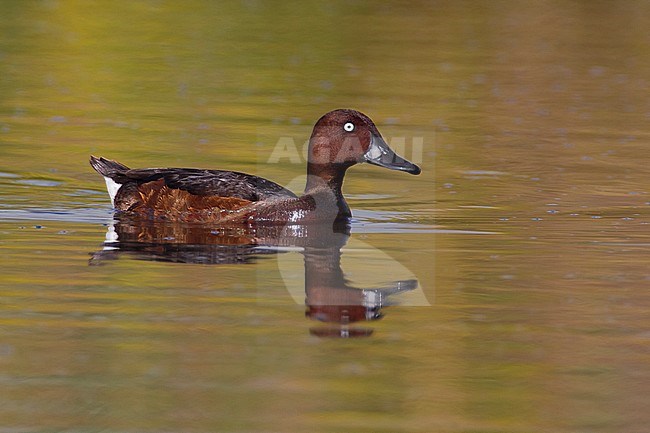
x=340 y=139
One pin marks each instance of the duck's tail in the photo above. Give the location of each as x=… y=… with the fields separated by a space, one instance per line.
x=107 y=167
x=112 y=171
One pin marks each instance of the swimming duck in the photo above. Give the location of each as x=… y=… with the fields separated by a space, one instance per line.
x=340 y=139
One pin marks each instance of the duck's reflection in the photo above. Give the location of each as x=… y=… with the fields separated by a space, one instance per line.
x=329 y=297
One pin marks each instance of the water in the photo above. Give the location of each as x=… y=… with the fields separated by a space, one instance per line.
x=514 y=268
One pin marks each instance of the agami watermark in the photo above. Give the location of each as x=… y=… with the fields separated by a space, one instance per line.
x=288 y=149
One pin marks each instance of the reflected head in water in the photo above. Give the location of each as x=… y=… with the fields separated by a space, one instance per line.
x=340 y=139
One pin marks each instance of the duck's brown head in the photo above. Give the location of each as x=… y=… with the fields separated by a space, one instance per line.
x=342 y=138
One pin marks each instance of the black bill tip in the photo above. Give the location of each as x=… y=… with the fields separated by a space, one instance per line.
x=379 y=153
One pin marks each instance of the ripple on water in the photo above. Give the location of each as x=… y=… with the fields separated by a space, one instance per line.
x=82 y=215
x=38 y=182
x=8 y=175
x=369 y=221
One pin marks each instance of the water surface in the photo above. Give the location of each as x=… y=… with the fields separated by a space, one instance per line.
x=522 y=247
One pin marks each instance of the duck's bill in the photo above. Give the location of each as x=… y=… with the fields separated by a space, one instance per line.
x=380 y=154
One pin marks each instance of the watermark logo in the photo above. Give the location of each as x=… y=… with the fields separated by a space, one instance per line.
x=288 y=149
x=358 y=274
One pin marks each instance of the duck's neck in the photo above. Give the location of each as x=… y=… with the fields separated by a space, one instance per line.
x=330 y=176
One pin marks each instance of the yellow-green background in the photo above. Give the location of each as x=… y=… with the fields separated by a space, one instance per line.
x=534 y=119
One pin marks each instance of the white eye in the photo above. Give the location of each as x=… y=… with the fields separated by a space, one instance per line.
x=349 y=127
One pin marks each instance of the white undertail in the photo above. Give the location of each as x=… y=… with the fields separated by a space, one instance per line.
x=112 y=187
